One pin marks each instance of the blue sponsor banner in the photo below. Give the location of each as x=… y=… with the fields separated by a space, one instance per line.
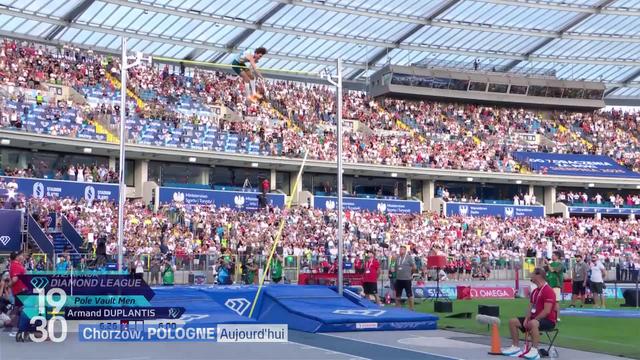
x=358 y=204
x=41 y=188
x=573 y=164
x=233 y=199
x=10 y=235
x=609 y=293
x=603 y=210
x=504 y=211
x=450 y=292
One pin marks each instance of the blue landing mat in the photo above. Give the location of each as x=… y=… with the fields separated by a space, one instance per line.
x=604 y=313
x=304 y=308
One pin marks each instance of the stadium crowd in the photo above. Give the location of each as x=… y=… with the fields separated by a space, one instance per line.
x=397 y=132
x=192 y=230
x=78 y=172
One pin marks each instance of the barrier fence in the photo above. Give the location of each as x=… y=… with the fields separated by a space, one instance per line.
x=305 y=269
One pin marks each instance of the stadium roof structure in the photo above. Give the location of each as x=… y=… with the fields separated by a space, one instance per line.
x=596 y=40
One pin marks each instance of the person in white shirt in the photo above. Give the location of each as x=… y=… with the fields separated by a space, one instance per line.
x=534 y=200
x=72 y=173
x=527 y=199
x=80 y=176
x=598 y=198
x=597 y=281
x=516 y=200
x=139 y=268
x=562 y=197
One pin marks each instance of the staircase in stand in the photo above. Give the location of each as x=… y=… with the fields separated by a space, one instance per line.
x=62 y=244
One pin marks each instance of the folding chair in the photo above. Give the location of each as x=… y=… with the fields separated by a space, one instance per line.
x=551 y=336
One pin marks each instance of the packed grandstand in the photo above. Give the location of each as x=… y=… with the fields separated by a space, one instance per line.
x=172 y=108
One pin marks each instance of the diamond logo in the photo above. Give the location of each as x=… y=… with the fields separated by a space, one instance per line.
x=4 y=240
x=193 y=317
x=237 y=305
x=382 y=207
x=174 y=313
x=39 y=282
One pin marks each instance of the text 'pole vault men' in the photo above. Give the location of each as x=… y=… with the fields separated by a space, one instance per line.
x=245 y=65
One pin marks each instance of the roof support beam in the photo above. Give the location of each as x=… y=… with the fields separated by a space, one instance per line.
x=231 y=45
x=566 y=6
x=625 y=82
x=452 y=24
x=378 y=56
x=375 y=43
x=577 y=20
x=164 y=39
x=247 y=32
x=70 y=17
x=354 y=40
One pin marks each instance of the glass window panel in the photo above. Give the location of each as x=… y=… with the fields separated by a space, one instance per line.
x=283 y=182
x=572 y=93
x=498 y=88
x=477 y=86
x=518 y=89
x=319 y=184
x=554 y=92
x=535 y=90
x=237 y=177
x=460 y=85
x=168 y=173
x=115 y=18
x=593 y=94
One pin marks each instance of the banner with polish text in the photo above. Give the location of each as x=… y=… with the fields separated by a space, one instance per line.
x=220 y=198
x=573 y=164
x=500 y=210
x=376 y=205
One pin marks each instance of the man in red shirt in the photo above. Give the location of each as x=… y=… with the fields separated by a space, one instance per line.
x=541 y=316
x=371 y=274
x=16 y=268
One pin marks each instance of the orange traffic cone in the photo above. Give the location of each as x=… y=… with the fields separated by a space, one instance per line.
x=495 y=341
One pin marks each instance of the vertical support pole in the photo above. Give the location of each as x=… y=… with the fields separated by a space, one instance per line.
x=122 y=188
x=340 y=212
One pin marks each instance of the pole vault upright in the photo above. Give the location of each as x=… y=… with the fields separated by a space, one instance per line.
x=340 y=218
x=338 y=84
x=122 y=189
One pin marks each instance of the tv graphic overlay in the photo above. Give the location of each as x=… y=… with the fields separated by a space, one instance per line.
x=115 y=307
